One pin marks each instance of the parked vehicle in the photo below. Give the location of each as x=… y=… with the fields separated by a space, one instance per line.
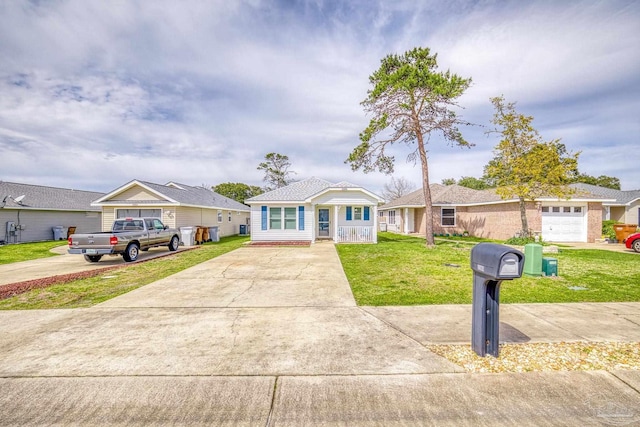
x=633 y=242
x=128 y=236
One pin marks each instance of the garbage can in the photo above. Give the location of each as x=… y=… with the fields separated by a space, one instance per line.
x=213 y=233
x=198 y=237
x=533 y=259
x=58 y=232
x=549 y=266
x=624 y=230
x=243 y=229
x=186 y=235
x=205 y=234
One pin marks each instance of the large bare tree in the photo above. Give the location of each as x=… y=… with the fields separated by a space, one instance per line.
x=411 y=102
x=397 y=188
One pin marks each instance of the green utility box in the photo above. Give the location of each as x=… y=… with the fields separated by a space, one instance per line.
x=549 y=266
x=533 y=259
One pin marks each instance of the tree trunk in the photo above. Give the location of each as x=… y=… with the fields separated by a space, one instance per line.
x=523 y=217
x=428 y=207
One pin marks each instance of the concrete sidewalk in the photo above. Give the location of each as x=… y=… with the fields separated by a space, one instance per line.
x=272 y=336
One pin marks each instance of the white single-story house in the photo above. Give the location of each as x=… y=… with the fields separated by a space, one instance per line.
x=624 y=206
x=29 y=213
x=314 y=209
x=482 y=213
x=177 y=205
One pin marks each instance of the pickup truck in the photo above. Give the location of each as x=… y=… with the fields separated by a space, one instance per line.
x=128 y=236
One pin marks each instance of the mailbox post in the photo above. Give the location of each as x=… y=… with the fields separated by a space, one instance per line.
x=491 y=264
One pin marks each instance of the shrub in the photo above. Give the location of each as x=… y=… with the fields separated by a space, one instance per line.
x=607 y=229
x=521 y=241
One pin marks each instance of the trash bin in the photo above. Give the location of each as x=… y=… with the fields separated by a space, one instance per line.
x=198 y=237
x=58 y=232
x=533 y=259
x=187 y=236
x=243 y=229
x=213 y=233
x=549 y=266
x=624 y=230
x=70 y=231
x=205 y=234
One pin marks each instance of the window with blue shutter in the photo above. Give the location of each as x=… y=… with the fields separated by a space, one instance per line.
x=264 y=217
x=301 y=218
x=366 y=213
x=349 y=215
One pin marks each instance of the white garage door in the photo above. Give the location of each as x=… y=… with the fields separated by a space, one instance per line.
x=564 y=223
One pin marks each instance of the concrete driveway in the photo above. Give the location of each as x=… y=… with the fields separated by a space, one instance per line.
x=272 y=336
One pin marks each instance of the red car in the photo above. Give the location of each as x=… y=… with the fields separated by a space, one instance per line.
x=633 y=242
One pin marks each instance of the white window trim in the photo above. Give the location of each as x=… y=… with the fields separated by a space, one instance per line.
x=442 y=216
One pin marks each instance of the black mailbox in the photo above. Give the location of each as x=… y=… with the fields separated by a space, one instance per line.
x=491 y=264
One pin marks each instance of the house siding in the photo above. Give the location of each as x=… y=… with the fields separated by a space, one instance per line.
x=192 y=217
x=136 y=193
x=187 y=217
x=38 y=224
x=632 y=213
x=273 y=235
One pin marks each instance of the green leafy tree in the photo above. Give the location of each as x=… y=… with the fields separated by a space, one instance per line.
x=411 y=102
x=276 y=171
x=237 y=190
x=448 y=181
x=472 y=182
x=524 y=165
x=601 y=181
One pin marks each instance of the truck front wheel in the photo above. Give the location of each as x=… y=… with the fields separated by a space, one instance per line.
x=636 y=245
x=173 y=244
x=131 y=253
x=92 y=258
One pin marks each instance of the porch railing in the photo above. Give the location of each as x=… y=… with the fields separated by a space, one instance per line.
x=355 y=234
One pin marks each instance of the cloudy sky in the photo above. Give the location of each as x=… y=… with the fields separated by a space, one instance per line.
x=96 y=93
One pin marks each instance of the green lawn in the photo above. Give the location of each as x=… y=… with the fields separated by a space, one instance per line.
x=26 y=251
x=94 y=290
x=399 y=270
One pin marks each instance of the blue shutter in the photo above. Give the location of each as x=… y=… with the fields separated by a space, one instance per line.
x=264 y=217
x=300 y=217
x=349 y=216
x=366 y=213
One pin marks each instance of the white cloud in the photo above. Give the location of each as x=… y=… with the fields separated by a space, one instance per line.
x=199 y=92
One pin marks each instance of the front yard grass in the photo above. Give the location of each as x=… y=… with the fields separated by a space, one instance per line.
x=94 y=290
x=27 y=251
x=399 y=270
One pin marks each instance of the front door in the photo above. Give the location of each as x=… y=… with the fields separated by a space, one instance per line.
x=323 y=223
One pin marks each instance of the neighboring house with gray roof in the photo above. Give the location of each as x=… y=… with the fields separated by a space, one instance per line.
x=483 y=213
x=624 y=206
x=28 y=212
x=315 y=209
x=177 y=205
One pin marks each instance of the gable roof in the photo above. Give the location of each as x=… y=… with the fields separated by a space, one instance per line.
x=175 y=194
x=621 y=197
x=40 y=197
x=303 y=191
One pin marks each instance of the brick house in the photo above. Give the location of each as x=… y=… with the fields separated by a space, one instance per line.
x=482 y=213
